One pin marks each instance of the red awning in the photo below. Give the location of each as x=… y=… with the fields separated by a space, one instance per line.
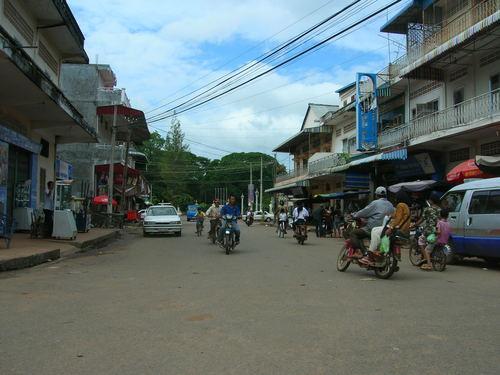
x=103 y=200
x=127 y=120
x=467 y=169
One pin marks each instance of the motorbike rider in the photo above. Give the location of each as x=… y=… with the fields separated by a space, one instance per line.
x=213 y=214
x=374 y=215
x=231 y=208
x=300 y=215
x=249 y=216
x=283 y=218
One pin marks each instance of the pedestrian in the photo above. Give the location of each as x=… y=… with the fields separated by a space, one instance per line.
x=48 y=209
x=337 y=222
x=328 y=219
x=318 y=217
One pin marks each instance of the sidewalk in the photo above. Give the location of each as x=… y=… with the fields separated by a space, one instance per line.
x=25 y=252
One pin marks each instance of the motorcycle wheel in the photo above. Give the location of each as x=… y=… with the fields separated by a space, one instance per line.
x=438 y=259
x=414 y=253
x=342 y=261
x=389 y=269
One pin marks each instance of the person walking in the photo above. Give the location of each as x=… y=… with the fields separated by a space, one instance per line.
x=48 y=209
x=318 y=217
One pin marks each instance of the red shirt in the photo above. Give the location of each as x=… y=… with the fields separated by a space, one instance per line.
x=444 y=230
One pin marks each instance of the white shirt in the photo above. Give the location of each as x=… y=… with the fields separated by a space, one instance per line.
x=303 y=215
x=283 y=217
x=48 y=203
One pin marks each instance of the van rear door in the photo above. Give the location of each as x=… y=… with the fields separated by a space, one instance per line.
x=482 y=224
x=455 y=202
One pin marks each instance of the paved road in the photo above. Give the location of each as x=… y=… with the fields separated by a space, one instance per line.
x=180 y=306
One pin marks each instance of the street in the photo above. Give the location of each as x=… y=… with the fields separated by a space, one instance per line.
x=167 y=305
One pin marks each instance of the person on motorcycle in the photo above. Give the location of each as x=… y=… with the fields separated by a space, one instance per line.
x=283 y=219
x=399 y=223
x=429 y=220
x=374 y=215
x=300 y=214
x=249 y=216
x=231 y=208
x=213 y=214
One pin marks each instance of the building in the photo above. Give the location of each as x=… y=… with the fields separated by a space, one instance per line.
x=92 y=89
x=36 y=38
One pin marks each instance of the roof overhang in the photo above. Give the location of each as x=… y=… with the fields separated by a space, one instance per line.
x=29 y=94
x=57 y=23
x=130 y=122
x=287 y=187
x=302 y=136
x=398 y=24
x=345 y=88
x=346 y=112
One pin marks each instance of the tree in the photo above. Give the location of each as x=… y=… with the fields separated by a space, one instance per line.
x=175 y=137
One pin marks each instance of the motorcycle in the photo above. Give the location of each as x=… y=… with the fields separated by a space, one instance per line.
x=282 y=229
x=213 y=236
x=300 y=231
x=229 y=236
x=439 y=255
x=383 y=264
x=249 y=220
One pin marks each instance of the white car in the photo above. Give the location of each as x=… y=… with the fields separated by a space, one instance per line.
x=261 y=216
x=162 y=219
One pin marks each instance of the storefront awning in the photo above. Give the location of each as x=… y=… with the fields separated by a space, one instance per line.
x=128 y=120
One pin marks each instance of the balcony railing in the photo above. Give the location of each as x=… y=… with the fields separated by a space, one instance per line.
x=291 y=175
x=444 y=33
x=328 y=162
x=466 y=113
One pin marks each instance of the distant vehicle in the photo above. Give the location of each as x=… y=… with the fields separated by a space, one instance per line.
x=192 y=211
x=263 y=216
x=142 y=214
x=162 y=219
x=164 y=204
x=475 y=219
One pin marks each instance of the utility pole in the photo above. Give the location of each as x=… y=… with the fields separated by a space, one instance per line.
x=261 y=183
x=125 y=173
x=250 y=203
x=111 y=173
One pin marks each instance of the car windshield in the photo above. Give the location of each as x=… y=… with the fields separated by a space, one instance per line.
x=161 y=211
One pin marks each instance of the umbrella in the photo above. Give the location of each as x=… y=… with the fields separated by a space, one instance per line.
x=489 y=164
x=103 y=200
x=412 y=186
x=467 y=169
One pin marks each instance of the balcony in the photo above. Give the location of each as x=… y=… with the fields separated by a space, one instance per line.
x=324 y=165
x=290 y=177
x=473 y=113
x=435 y=40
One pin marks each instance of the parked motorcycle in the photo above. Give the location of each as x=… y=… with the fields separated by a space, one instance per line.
x=229 y=236
x=300 y=231
x=383 y=264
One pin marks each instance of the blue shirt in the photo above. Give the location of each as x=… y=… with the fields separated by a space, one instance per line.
x=230 y=210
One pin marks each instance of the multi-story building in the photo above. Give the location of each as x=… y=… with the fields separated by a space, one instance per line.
x=36 y=38
x=429 y=110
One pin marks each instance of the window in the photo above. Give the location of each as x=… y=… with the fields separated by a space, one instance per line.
x=345 y=145
x=458 y=96
x=349 y=127
x=162 y=211
x=352 y=144
x=18 y=21
x=453 y=201
x=485 y=202
x=427 y=108
x=344 y=103
x=495 y=82
x=47 y=57
x=479 y=203
x=490 y=149
x=459 y=155
x=45 y=148
x=338 y=132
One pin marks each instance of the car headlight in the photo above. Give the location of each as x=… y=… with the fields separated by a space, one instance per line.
x=176 y=222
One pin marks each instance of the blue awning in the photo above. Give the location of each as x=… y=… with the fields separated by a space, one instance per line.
x=401 y=154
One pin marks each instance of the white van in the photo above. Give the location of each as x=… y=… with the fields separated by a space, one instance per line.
x=475 y=219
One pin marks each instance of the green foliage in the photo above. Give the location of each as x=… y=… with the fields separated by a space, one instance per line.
x=175 y=137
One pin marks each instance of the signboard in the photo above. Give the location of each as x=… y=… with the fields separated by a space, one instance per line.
x=366 y=112
x=415 y=166
x=64 y=170
x=251 y=193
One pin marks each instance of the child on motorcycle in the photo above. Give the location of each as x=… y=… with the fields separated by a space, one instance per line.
x=283 y=219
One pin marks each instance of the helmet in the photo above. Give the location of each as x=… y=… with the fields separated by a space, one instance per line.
x=381 y=191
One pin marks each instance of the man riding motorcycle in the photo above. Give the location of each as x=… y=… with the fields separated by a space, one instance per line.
x=231 y=208
x=374 y=215
x=213 y=214
x=300 y=215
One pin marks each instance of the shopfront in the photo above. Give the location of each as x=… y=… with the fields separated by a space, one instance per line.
x=18 y=172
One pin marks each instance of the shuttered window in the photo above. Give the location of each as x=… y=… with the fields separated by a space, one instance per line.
x=18 y=21
x=47 y=57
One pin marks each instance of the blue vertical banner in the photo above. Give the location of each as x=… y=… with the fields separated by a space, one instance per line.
x=366 y=112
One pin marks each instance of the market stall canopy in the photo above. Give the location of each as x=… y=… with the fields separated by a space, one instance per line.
x=103 y=200
x=127 y=120
x=467 y=169
x=413 y=186
x=489 y=164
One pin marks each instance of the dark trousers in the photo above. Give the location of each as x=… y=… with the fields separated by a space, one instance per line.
x=48 y=222
x=357 y=237
x=319 y=228
x=213 y=225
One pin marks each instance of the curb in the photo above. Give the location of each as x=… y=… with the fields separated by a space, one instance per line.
x=29 y=261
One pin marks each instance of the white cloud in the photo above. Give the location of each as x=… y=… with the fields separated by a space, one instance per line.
x=157 y=47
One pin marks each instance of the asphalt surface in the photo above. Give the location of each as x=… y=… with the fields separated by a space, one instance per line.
x=167 y=305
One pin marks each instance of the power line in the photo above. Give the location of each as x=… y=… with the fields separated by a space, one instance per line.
x=261 y=59
x=315 y=46
x=240 y=55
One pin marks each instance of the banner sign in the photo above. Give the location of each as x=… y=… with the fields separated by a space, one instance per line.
x=64 y=170
x=251 y=193
x=366 y=112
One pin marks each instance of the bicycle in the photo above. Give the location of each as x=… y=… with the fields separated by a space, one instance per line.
x=438 y=256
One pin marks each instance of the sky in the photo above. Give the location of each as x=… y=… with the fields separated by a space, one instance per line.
x=161 y=50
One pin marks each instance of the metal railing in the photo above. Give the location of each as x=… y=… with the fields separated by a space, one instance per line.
x=445 y=32
x=465 y=113
x=330 y=161
x=291 y=174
